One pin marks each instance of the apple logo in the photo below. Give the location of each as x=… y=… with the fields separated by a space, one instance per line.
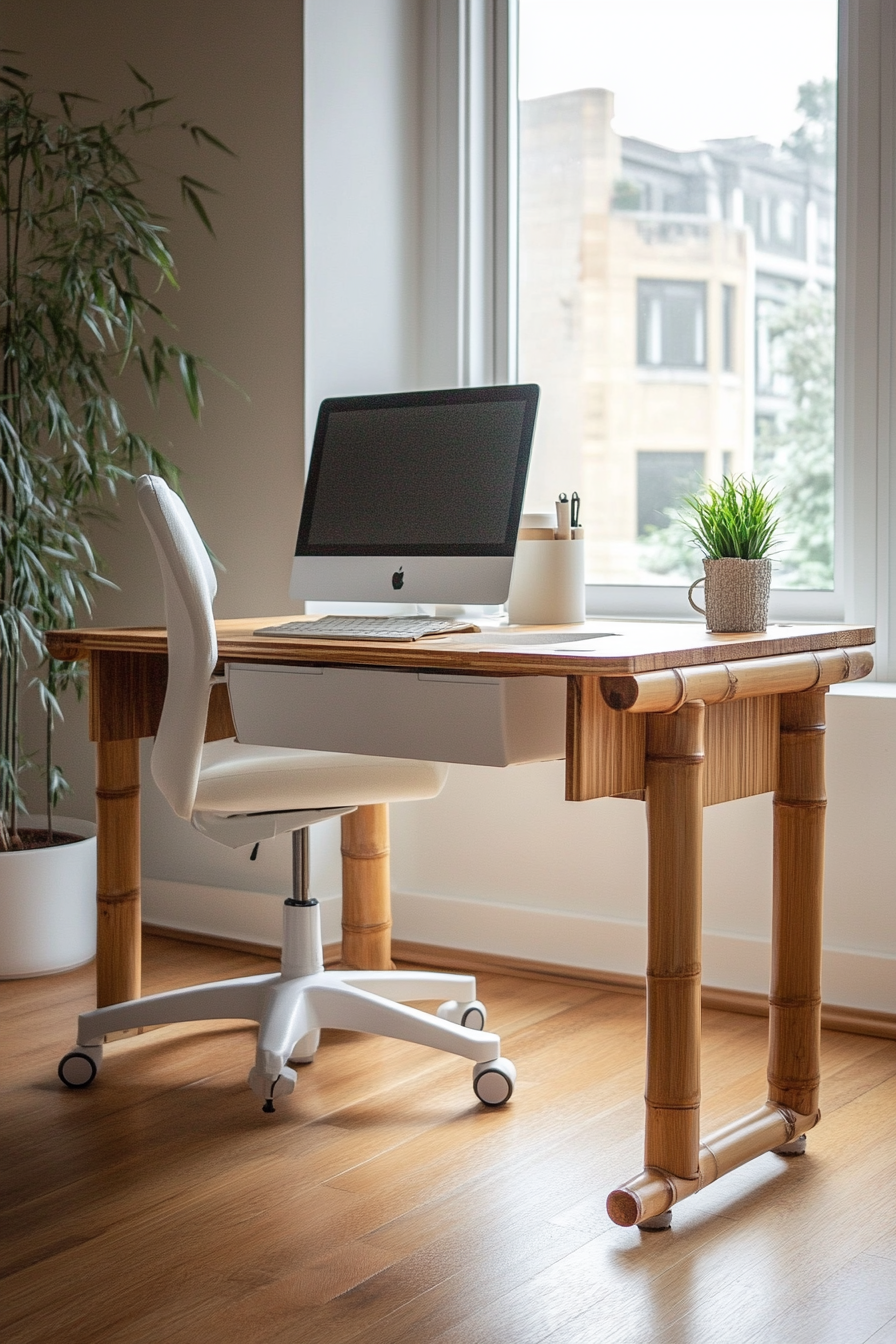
x=398 y=579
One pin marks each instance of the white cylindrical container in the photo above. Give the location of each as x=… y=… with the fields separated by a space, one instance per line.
x=548 y=583
x=48 y=903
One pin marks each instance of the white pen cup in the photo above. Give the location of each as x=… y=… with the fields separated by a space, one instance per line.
x=548 y=582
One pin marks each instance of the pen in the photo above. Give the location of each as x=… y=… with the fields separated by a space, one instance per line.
x=575 y=505
x=563 y=533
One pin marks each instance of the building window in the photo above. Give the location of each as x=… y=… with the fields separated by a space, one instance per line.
x=785 y=222
x=728 y=327
x=662 y=480
x=775 y=299
x=671 y=324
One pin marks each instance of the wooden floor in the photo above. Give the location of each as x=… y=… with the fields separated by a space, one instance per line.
x=382 y=1204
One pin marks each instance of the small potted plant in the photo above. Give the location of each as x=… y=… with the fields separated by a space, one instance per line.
x=734 y=525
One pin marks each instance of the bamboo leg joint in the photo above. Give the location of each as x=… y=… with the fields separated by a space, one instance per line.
x=118 y=897
x=112 y=795
x=382 y=927
x=654 y=1191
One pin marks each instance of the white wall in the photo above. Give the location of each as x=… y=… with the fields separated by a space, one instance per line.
x=566 y=882
x=499 y=862
x=362 y=149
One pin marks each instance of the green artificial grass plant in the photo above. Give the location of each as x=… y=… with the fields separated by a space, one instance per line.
x=735 y=520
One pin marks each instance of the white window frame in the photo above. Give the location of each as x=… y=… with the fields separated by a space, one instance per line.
x=468 y=289
x=866 y=263
x=470 y=280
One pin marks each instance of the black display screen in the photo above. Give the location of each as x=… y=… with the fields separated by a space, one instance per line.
x=437 y=473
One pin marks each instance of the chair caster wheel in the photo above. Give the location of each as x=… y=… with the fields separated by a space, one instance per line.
x=267 y=1088
x=472 y=1014
x=80 y=1066
x=305 y=1049
x=795 y=1148
x=493 y=1081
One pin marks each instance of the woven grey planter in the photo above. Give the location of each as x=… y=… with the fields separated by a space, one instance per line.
x=736 y=595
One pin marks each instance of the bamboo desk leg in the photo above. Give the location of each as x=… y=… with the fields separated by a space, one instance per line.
x=118 y=948
x=794 y=1048
x=674 y=779
x=366 y=889
x=676 y=1163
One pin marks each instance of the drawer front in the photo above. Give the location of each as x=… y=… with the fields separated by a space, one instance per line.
x=379 y=712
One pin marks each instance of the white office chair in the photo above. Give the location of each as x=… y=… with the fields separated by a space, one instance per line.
x=239 y=794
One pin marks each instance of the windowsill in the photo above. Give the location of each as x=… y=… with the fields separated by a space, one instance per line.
x=867 y=690
x=669 y=602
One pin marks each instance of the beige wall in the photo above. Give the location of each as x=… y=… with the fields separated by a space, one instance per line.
x=236 y=68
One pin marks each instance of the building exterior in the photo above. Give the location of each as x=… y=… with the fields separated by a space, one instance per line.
x=648 y=281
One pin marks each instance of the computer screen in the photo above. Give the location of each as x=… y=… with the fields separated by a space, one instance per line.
x=415 y=497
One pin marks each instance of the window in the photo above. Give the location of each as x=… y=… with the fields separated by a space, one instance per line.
x=662 y=479
x=729 y=318
x=785 y=222
x=774 y=298
x=671 y=324
x=676 y=262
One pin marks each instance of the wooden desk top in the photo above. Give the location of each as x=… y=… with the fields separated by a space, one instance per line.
x=608 y=647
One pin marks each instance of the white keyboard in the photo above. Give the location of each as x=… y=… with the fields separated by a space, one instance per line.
x=401 y=629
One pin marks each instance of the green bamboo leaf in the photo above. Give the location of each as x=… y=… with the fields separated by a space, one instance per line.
x=137 y=75
x=190 y=196
x=190 y=381
x=200 y=186
x=200 y=133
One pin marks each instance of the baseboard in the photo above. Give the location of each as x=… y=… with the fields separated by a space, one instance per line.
x=332 y=951
x=860 y=1021
x=247 y=920
x=543 y=944
x=615 y=950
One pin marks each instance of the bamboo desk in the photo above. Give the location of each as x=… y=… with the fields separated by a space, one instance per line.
x=665 y=713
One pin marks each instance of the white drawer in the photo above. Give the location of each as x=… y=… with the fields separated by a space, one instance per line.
x=433 y=716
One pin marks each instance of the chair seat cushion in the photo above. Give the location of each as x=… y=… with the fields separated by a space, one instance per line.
x=236 y=777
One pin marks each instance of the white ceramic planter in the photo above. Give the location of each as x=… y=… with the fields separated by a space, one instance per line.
x=48 y=903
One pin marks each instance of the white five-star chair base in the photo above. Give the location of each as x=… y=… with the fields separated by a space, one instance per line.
x=238 y=794
x=291 y=1008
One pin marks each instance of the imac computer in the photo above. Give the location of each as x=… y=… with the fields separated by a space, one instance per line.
x=415 y=497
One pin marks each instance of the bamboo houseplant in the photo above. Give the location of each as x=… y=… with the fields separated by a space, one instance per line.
x=734 y=525
x=81 y=262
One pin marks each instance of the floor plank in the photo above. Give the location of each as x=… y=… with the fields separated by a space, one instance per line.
x=381 y=1204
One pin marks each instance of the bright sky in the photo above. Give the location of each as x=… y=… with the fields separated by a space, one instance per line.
x=682 y=70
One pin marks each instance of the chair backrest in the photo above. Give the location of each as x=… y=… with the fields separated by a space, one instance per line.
x=190 y=586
